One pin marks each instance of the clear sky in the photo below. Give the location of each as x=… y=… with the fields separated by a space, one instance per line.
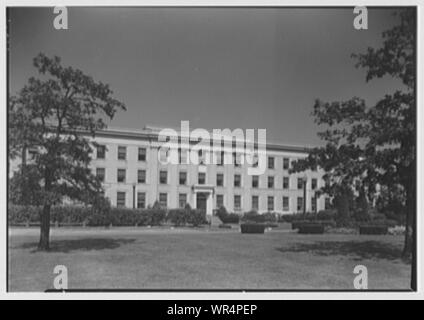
x=217 y=68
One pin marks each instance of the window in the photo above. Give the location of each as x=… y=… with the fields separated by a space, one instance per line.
x=141 y=154
x=314 y=204
x=201 y=178
x=182 y=200
x=255 y=202
x=122 y=153
x=183 y=178
x=299 y=203
x=286 y=163
x=237 y=180
x=121 y=175
x=163 y=155
x=270 y=182
x=100 y=173
x=141 y=200
x=314 y=184
x=120 y=199
x=237 y=202
x=285 y=203
x=255 y=181
x=286 y=183
x=299 y=183
x=182 y=156
x=327 y=205
x=163 y=177
x=201 y=156
x=141 y=176
x=270 y=203
x=101 y=152
x=219 y=200
x=221 y=156
x=163 y=199
x=236 y=159
x=270 y=162
x=220 y=179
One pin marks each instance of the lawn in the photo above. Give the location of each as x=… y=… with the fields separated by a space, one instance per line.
x=158 y=258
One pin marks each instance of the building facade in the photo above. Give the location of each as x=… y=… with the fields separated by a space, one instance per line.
x=128 y=164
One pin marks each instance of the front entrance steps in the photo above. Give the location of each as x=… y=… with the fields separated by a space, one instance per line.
x=214 y=221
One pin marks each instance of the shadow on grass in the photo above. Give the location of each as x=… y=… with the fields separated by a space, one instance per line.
x=357 y=250
x=86 y=244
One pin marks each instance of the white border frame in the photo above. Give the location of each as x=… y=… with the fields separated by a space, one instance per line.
x=217 y=295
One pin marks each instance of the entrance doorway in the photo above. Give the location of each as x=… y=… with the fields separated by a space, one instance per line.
x=201 y=198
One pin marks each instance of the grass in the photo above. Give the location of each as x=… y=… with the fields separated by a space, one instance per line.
x=157 y=258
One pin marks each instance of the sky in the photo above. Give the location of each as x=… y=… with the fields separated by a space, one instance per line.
x=248 y=68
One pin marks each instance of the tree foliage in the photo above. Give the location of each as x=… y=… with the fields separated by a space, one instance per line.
x=370 y=145
x=56 y=113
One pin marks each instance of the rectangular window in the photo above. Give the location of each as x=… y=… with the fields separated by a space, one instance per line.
x=121 y=175
x=285 y=203
x=201 y=178
x=182 y=156
x=220 y=179
x=286 y=183
x=299 y=203
x=141 y=200
x=120 y=199
x=182 y=200
x=314 y=204
x=141 y=176
x=237 y=202
x=299 y=183
x=237 y=180
x=255 y=202
x=270 y=182
x=219 y=200
x=163 y=199
x=163 y=177
x=183 y=178
x=100 y=173
x=255 y=181
x=141 y=154
x=101 y=152
x=236 y=159
x=221 y=156
x=270 y=162
x=286 y=163
x=122 y=153
x=314 y=184
x=270 y=203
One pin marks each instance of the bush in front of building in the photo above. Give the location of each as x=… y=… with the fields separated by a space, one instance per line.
x=226 y=217
x=253 y=216
x=18 y=214
x=186 y=216
x=252 y=227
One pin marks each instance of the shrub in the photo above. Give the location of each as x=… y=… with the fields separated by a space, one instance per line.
x=326 y=214
x=18 y=214
x=253 y=216
x=373 y=229
x=311 y=228
x=270 y=216
x=226 y=217
x=252 y=228
x=180 y=217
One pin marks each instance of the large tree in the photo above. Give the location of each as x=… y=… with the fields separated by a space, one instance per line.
x=374 y=145
x=56 y=114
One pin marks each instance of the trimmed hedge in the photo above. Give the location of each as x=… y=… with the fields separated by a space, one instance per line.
x=252 y=228
x=226 y=217
x=373 y=229
x=324 y=223
x=181 y=217
x=311 y=228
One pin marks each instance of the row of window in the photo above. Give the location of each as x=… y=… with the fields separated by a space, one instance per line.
x=182 y=156
x=182 y=201
x=201 y=179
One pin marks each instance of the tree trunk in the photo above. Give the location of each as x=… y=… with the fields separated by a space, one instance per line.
x=44 y=243
x=409 y=249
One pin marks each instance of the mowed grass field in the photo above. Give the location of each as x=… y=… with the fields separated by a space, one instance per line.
x=163 y=258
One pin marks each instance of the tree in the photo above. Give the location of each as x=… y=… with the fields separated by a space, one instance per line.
x=56 y=114
x=375 y=145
